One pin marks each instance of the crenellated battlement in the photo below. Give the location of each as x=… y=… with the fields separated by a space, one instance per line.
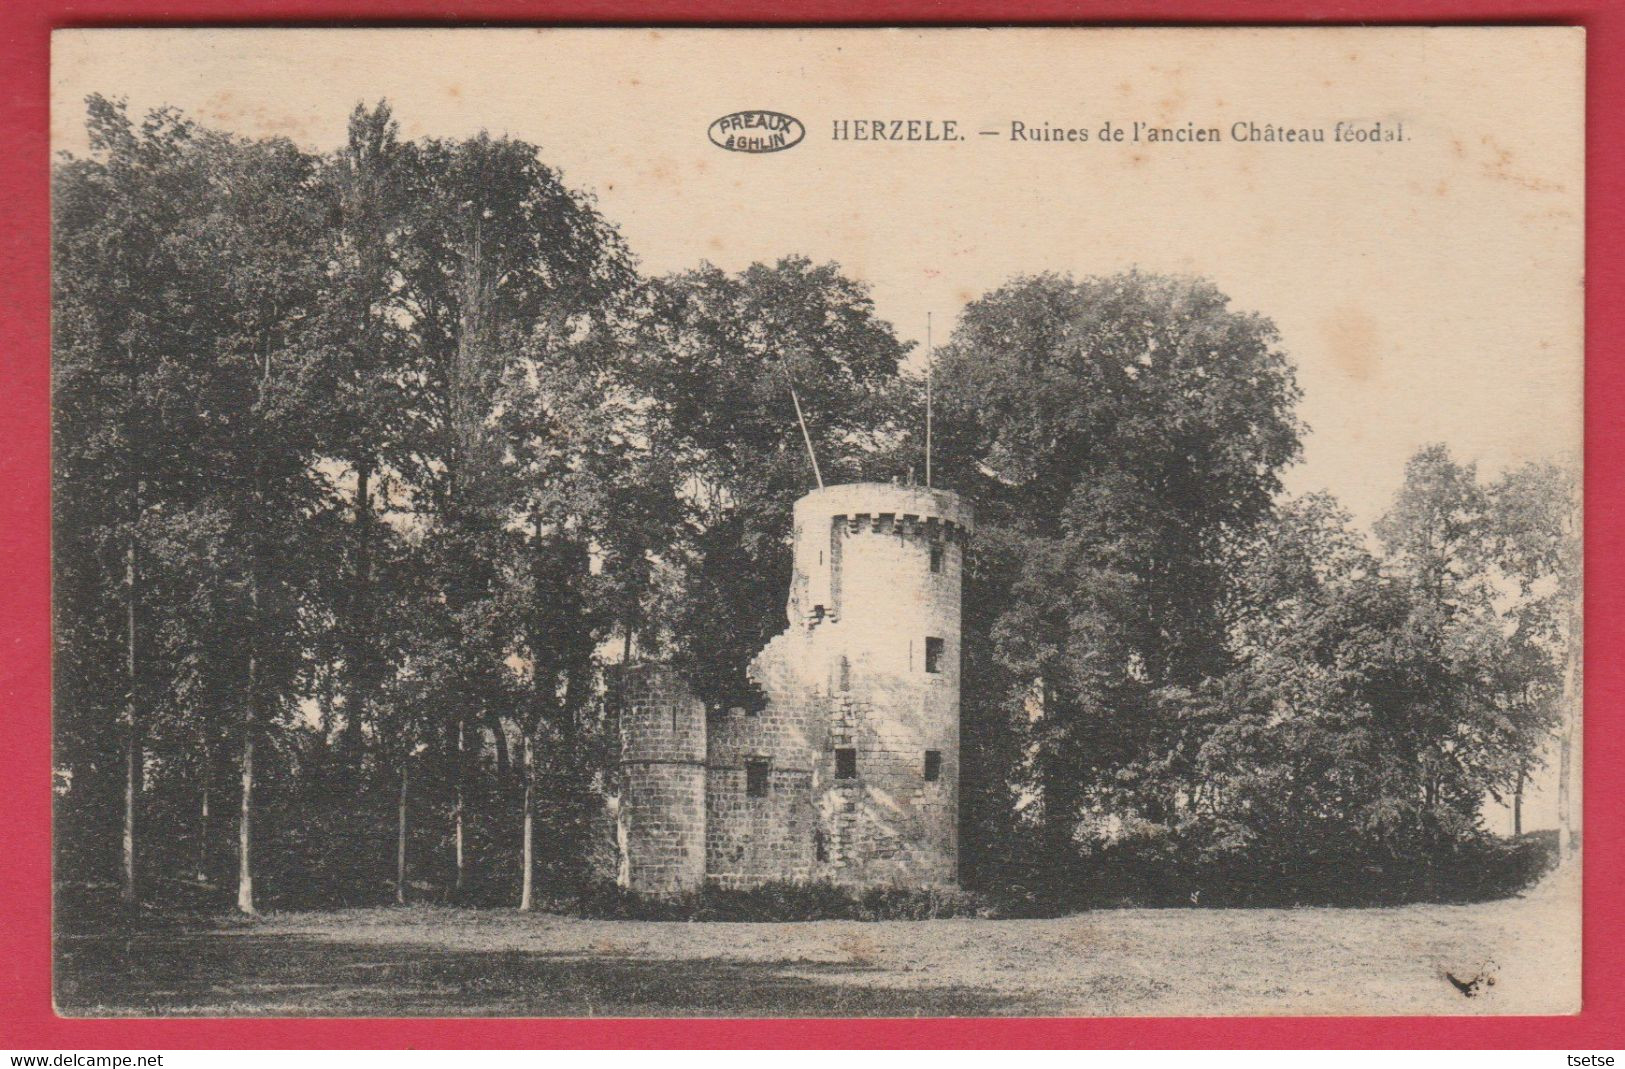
x=885 y=506
x=908 y=526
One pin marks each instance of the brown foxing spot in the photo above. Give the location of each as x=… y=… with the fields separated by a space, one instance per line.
x=1350 y=334
x=1501 y=166
x=224 y=107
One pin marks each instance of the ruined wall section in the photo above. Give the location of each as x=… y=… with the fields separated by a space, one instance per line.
x=660 y=814
x=767 y=834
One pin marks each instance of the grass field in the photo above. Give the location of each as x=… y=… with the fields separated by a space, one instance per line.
x=464 y=962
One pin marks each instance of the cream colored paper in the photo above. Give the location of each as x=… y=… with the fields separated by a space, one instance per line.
x=1428 y=287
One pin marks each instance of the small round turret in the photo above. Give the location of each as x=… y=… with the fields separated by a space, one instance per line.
x=661 y=819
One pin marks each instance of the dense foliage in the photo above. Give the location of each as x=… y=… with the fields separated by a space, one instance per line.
x=370 y=463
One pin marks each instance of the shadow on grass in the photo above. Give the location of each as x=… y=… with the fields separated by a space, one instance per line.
x=159 y=972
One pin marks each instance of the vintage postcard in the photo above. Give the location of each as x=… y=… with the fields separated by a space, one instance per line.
x=817 y=523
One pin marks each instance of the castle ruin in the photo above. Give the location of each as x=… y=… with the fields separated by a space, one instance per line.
x=850 y=771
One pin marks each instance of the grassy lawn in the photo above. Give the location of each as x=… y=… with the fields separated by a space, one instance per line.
x=464 y=962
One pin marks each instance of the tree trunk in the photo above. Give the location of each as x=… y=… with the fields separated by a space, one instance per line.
x=324 y=695
x=245 y=827
x=1564 y=807
x=357 y=681
x=203 y=815
x=400 y=834
x=203 y=838
x=499 y=741
x=1517 y=805
x=245 y=868
x=251 y=700
x=527 y=852
x=457 y=807
x=132 y=729
x=1565 y=753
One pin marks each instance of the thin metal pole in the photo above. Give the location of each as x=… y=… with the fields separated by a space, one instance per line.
x=784 y=368
x=930 y=359
x=805 y=437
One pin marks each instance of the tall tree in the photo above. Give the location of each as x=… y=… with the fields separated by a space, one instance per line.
x=1295 y=769
x=250 y=262
x=372 y=359
x=1472 y=724
x=191 y=290
x=1535 y=537
x=505 y=267
x=1117 y=436
x=123 y=444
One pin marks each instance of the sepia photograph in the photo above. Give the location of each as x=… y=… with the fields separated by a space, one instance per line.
x=817 y=523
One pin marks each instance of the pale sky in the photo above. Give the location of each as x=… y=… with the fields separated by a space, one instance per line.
x=1428 y=290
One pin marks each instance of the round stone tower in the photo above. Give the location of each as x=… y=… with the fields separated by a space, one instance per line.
x=863 y=688
x=660 y=821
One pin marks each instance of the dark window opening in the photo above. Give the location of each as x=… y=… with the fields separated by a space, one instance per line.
x=936 y=556
x=846 y=763
x=933 y=655
x=846 y=674
x=820 y=847
x=756 y=769
x=933 y=765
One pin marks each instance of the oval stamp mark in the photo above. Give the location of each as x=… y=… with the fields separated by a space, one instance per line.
x=757 y=131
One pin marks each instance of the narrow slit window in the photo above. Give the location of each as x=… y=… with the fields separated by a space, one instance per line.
x=936 y=556
x=933 y=654
x=933 y=765
x=846 y=674
x=756 y=770
x=846 y=763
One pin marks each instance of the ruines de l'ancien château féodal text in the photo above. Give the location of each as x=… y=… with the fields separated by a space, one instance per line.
x=1344 y=131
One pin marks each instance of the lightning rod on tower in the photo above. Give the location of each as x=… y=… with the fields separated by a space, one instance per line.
x=784 y=366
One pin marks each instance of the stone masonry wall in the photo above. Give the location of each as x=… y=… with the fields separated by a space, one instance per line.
x=661 y=811
x=753 y=840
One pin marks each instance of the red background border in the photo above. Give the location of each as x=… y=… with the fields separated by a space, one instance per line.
x=26 y=1018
